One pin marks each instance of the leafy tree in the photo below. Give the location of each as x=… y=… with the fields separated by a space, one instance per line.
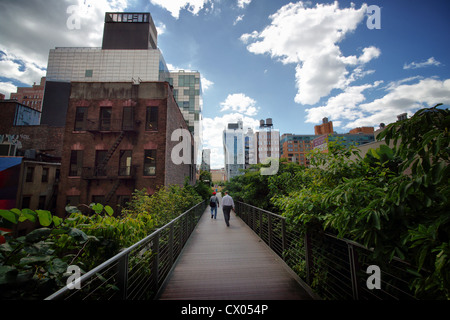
x=393 y=200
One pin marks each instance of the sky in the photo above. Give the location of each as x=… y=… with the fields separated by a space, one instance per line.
x=356 y=63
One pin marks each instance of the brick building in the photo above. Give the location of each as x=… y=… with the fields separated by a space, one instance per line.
x=118 y=138
x=21 y=134
x=367 y=130
x=31 y=96
x=295 y=147
x=325 y=128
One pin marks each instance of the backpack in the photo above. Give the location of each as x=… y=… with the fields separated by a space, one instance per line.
x=212 y=201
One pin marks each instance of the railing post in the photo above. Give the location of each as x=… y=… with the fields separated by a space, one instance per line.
x=122 y=276
x=171 y=254
x=260 y=217
x=283 y=236
x=269 y=229
x=354 y=267
x=155 y=266
x=308 y=258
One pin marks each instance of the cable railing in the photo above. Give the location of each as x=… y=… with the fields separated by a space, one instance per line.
x=139 y=271
x=335 y=268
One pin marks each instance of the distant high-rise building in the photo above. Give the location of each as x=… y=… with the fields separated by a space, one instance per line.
x=206 y=160
x=234 y=149
x=187 y=90
x=250 y=148
x=268 y=141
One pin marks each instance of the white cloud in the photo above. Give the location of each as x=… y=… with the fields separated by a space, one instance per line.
x=239 y=102
x=243 y=3
x=343 y=106
x=415 y=65
x=23 y=27
x=7 y=88
x=214 y=128
x=239 y=18
x=19 y=69
x=402 y=97
x=160 y=28
x=175 y=6
x=369 y=53
x=206 y=84
x=309 y=37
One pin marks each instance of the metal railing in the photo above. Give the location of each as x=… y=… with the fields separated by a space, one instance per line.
x=107 y=124
x=109 y=172
x=137 y=272
x=335 y=268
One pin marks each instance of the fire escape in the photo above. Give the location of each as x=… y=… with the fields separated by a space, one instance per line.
x=107 y=127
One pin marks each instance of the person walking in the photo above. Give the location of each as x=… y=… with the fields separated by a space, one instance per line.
x=214 y=204
x=227 y=205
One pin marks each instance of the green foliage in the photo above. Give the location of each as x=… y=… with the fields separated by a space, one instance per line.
x=256 y=189
x=394 y=200
x=34 y=266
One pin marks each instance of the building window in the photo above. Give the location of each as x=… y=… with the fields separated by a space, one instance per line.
x=44 y=177
x=76 y=163
x=125 y=163
x=88 y=73
x=151 y=122
x=73 y=200
x=127 y=118
x=7 y=149
x=98 y=199
x=122 y=201
x=42 y=202
x=30 y=173
x=105 y=118
x=26 y=200
x=80 y=119
x=100 y=156
x=149 y=162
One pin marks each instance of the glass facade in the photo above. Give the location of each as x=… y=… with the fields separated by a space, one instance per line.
x=188 y=94
x=97 y=65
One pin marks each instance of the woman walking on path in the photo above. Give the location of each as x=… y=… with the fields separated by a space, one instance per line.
x=227 y=205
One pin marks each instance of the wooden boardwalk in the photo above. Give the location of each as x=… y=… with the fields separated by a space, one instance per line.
x=230 y=263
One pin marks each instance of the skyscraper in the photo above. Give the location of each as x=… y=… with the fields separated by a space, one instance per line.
x=268 y=141
x=239 y=148
x=187 y=90
x=233 y=144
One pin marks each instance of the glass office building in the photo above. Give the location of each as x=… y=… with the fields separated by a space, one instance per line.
x=187 y=90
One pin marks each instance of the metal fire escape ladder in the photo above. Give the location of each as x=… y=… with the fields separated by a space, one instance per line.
x=111 y=151
x=113 y=191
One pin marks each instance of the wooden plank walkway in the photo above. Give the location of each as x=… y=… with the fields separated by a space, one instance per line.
x=230 y=263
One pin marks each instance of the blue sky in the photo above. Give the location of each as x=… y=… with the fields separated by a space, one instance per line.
x=295 y=62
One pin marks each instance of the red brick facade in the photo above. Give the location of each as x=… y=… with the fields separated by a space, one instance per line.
x=115 y=142
x=31 y=96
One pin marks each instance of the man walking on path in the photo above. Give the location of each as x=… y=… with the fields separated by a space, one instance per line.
x=213 y=203
x=227 y=205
